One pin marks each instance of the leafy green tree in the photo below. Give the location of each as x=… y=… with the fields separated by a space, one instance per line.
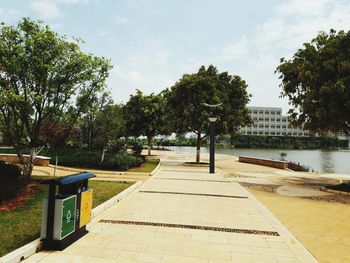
x=189 y=98
x=43 y=77
x=317 y=83
x=109 y=126
x=145 y=115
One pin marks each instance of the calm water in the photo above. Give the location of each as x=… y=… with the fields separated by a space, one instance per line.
x=327 y=161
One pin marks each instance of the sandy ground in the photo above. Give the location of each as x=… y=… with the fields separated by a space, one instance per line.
x=322 y=227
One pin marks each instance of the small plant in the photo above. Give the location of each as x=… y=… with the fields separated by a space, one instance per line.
x=283 y=155
x=10 y=180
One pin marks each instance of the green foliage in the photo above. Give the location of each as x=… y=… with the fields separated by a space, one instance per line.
x=41 y=74
x=317 y=83
x=145 y=115
x=10 y=180
x=137 y=149
x=287 y=142
x=121 y=162
x=188 y=101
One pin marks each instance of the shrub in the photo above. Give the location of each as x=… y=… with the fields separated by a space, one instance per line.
x=137 y=149
x=121 y=161
x=117 y=146
x=10 y=180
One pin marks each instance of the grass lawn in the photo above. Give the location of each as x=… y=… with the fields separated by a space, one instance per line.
x=21 y=226
x=146 y=167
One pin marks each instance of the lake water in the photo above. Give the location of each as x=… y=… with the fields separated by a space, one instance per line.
x=327 y=161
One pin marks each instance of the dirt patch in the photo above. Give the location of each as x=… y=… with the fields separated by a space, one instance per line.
x=21 y=198
x=340 y=187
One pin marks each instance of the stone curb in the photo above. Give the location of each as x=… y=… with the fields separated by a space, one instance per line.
x=157 y=168
x=334 y=191
x=33 y=247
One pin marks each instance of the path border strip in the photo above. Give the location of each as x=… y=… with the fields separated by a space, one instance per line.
x=205 y=228
x=198 y=194
x=199 y=180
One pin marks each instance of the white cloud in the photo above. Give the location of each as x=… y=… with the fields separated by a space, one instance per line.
x=121 y=20
x=53 y=9
x=298 y=21
x=46 y=9
x=234 y=51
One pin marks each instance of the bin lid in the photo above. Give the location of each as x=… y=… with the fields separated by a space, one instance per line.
x=70 y=179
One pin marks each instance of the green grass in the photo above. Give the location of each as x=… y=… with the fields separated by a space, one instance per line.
x=21 y=226
x=146 y=167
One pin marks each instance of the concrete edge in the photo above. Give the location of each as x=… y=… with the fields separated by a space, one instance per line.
x=155 y=170
x=71 y=169
x=33 y=247
x=334 y=191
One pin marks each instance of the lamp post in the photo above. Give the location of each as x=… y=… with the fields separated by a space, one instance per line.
x=212 y=145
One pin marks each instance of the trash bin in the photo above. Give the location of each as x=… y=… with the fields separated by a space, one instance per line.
x=66 y=211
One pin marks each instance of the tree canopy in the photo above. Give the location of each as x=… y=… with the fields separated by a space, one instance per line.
x=145 y=115
x=188 y=101
x=43 y=77
x=317 y=83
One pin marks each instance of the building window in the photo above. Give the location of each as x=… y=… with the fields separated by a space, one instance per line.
x=272 y=126
x=261 y=126
x=255 y=111
x=272 y=119
x=261 y=112
x=255 y=126
x=284 y=119
x=284 y=126
x=278 y=126
x=272 y=133
x=272 y=112
x=278 y=119
x=278 y=113
x=255 y=132
x=267 y=126
x=261 y=119
x=249 y=132
x=261 y=132
x=267 y=119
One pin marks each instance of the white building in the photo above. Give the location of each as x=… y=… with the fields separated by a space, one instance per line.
x=270 y=121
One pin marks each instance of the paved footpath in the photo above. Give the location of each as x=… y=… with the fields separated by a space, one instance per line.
x=183 y=214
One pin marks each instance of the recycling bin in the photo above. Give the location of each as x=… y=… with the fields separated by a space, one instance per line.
x=66 y=211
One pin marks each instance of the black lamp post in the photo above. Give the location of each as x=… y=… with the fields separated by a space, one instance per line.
x=212 y=145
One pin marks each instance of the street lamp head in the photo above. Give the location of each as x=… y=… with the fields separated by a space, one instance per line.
x=212 y=119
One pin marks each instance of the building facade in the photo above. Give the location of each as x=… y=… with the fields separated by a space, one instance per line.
x=269 y=121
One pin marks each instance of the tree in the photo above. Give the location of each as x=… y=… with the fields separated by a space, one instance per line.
x=317 y=83
x=145 y=115
x=188 y=103
x=109 y=126
x=42 y=74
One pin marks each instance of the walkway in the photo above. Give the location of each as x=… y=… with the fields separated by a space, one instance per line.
x=183 y=214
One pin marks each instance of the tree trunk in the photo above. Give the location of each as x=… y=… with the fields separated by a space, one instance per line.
x=28 y=166
x=198 y=149
x=149 y=142
x=56 y=162
x=103 y=154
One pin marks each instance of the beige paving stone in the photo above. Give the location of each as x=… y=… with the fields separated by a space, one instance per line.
x=151 y=243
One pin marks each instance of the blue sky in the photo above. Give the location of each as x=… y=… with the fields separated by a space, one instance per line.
x=153 y=42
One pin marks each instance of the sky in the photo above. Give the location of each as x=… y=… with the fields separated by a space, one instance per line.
x=152 y=43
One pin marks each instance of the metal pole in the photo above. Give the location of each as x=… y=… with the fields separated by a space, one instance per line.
x=212 y=148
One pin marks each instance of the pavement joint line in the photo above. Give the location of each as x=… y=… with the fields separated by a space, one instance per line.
x=199 y=194
x=199 y=180
x=206 y=228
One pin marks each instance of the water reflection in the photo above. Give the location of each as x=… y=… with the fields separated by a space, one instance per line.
x=327 y=161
